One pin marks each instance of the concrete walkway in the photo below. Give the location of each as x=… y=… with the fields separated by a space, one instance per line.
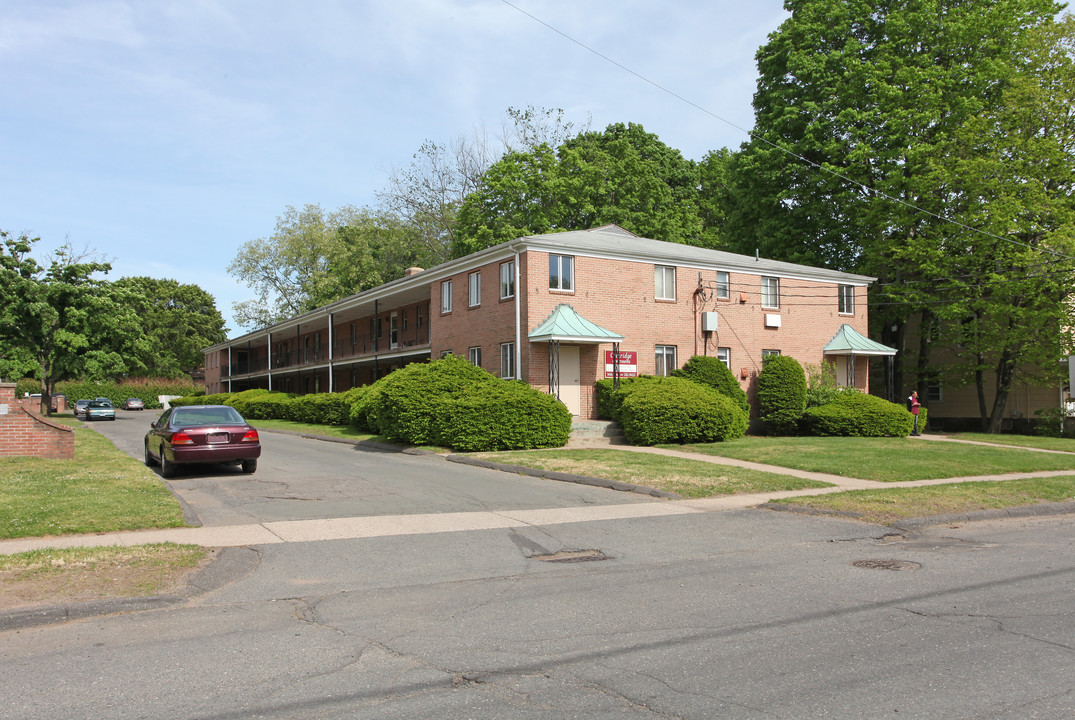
x=381 y=526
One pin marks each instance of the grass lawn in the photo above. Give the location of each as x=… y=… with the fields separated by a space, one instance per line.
x=78 y=574
x=885 y=459
x=689 y=478
x=101 y=490
x=1027 y=441
x=340 y=431
x=891 y=504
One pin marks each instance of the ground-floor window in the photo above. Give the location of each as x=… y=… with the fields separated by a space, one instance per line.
x=666 y=359
x=474 y=355
x=725 y=356
x=507 y=360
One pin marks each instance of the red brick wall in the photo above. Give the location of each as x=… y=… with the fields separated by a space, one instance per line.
x=24 y=432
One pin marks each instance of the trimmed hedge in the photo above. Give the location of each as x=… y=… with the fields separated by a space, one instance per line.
x=410 y=399
x=147 y=390
x=714 y=373
x=857 y=414
x=677 y=410
x=609 y=399
x=505 y=415
x=781 y=394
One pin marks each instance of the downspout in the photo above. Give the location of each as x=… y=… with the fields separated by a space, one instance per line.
x=229 y=368
x=331 y=352
x=376 y=345
x=268 y=361
x=518 y=323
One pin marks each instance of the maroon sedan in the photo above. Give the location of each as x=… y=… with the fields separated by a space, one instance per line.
x=201 y=434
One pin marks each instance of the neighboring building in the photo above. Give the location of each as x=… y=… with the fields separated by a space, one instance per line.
x=557 y=310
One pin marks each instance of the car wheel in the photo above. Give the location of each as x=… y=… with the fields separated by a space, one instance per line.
x=167 y=468
x=150 y=462
x=250 y=466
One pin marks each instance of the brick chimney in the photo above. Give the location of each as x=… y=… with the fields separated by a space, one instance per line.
x=412 y=271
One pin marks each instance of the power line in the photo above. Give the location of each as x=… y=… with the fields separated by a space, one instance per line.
x=862 y=186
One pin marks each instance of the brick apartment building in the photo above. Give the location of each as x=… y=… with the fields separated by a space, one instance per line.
x=564 y=310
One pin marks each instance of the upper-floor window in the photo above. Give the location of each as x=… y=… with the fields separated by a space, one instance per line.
x=724 y=288
x=770 y=292
x=847 y=299
x=664 y=282
x=561 y=272
x=507 y=280
x=474 y=283
x=446 y=296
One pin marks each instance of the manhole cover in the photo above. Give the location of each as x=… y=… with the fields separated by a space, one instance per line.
x=886 y=564
x=573 y=556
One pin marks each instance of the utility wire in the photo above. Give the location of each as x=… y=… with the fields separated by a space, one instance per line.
x=781 y=148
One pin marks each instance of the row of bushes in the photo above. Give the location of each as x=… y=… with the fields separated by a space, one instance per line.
x=447 y=402
x=145 y=389
x=702 y=402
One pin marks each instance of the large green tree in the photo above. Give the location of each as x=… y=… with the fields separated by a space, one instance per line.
x=861 y=158
x=177 y=321
x=70 y=321
x=623 y=175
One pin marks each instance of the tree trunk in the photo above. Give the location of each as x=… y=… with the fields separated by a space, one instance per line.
x=1005 y=376
x=979 y=382
x=922 y=370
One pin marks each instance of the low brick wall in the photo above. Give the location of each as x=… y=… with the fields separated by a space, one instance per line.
x=24 y=432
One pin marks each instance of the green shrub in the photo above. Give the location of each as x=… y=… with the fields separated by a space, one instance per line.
x=677 y=410
x=241 y=400
x=321 y=409
x=714 y=373
x=609 y=398
x=781 y=394
x=361 y=416
x=503 y=415
x=214 y=399
x=146 y=389
x=859 y=415
x=410 y=399
x=264 y=406
x=822 y=386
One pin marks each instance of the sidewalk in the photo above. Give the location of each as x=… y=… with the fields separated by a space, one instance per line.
x=381 y=526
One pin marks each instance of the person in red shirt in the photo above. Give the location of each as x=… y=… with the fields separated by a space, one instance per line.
x=915 y=405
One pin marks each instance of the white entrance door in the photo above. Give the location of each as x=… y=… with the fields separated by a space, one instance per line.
x=570 y=378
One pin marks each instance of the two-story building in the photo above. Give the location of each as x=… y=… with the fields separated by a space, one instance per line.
x=562 y=311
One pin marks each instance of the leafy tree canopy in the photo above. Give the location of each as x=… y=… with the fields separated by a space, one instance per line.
x=623 y=175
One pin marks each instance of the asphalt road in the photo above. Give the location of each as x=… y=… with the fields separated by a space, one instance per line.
x=302 y=479
x=743 y=614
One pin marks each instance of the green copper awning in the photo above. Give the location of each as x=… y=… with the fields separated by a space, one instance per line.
x=566 y=325
x=848 y=341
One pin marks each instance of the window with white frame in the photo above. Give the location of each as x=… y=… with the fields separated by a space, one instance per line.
x=507 y=280
x=664 y=282
x=725 y=356
x=766 y=354
x=446 y=296
x=561 y=272
x=666 y=359
x=724 y=288
x=474 y=283
x=418 y=316
x=847 y=299
x=770 y=292
x=507 y=360
x=474 y=355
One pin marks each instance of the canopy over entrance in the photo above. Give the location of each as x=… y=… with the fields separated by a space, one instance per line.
x=566 y=325
x=849 y=341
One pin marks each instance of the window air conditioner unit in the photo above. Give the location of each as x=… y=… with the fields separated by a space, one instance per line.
x=772 y=320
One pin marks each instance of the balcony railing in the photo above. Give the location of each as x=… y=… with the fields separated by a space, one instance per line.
x=361 y=348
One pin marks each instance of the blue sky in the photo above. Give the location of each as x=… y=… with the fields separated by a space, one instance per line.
x=164 y=135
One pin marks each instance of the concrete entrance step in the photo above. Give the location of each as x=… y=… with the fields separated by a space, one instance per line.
x=595 y=433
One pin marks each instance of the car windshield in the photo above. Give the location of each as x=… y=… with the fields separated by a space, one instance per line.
x=100 y=404
x=191 y=416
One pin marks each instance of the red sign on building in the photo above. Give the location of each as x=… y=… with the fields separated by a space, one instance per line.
x=628 y=363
